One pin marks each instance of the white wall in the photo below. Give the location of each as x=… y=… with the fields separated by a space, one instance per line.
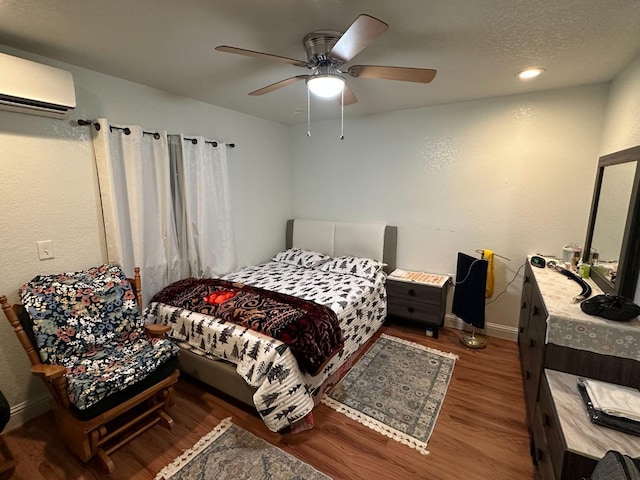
x=622 y=121
x=512 y=174
x=48 y=190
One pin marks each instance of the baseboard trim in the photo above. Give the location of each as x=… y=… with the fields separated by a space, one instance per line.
x=25 y=411
x=490 y=330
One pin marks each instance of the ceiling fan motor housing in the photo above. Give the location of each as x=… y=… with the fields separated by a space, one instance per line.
x=319 y=44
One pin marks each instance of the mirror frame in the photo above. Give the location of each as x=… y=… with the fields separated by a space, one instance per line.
x=629 y=259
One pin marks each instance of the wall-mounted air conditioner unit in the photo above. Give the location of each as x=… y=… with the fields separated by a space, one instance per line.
x=36 y=89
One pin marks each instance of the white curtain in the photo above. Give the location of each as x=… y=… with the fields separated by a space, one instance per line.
x=202 y=205
x=166 y=204
x=133 y=171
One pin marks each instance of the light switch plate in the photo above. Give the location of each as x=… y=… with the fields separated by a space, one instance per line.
x=45 y=249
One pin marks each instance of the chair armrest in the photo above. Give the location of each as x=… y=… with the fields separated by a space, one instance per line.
x=154 y=330
x=48 y=372
x=56 y=381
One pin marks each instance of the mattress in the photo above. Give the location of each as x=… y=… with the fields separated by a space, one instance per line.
x=284 y=394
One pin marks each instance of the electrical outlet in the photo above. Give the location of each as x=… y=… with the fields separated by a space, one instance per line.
x=45 y=249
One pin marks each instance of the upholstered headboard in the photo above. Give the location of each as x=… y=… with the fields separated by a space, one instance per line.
x=371 y=240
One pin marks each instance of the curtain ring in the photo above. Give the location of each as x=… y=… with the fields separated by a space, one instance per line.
x=126 y=130
x=214 y=144
x=194 y=141
x=156 y=135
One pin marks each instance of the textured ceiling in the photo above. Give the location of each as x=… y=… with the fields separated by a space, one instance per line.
x=476 y=45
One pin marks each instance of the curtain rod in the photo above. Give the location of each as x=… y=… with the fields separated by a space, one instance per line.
x=156 y=135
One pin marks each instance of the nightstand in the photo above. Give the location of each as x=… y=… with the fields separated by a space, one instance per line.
x=418 y=297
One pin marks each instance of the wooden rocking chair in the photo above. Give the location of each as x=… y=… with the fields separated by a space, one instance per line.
x=106 y=425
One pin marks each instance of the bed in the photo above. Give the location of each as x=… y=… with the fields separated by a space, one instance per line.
x=340 y=266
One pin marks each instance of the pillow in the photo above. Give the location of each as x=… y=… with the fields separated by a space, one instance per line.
x=301 y=258
x=358 y=266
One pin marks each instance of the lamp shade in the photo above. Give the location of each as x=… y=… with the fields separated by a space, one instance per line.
x=326 y=86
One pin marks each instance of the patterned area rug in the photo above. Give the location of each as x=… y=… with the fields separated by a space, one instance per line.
x=396 y=388
x=231 y=453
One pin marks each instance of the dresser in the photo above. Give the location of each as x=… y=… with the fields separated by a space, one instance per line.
x=557 y=343
x=422 y=303
x=566 y=444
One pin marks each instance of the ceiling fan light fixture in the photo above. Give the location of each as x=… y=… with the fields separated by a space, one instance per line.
x=326 y=86
x=530 y=73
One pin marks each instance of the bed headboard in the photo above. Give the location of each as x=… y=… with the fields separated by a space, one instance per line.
x=371 y=240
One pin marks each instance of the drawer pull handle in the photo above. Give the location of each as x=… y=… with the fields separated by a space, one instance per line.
x=539 y=455
x=536 y=311
x=527 y=375
x=521 y=329
x=523 y=306
x=526 y=279
x=546 y=421
x=410 y=309
x=412 y=292
x=532 y=343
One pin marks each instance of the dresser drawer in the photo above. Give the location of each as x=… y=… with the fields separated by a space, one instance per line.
x=551 y=426
x=525 y=301
x=541 y=450
x=415 y=292
x=414 y=310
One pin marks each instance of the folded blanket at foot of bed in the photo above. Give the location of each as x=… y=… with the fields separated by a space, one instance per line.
x=310 y=330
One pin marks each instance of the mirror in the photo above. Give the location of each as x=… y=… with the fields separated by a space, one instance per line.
x=611 y=217
x=613 y=231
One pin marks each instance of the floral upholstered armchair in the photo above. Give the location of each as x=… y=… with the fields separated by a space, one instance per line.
x=85 y=337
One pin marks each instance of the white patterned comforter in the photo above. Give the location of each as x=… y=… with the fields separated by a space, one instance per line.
x=284 y=393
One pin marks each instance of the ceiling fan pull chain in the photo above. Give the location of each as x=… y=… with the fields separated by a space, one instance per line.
x=342 y=117
x=308 y=113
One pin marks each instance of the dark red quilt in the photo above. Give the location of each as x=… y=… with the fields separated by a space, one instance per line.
x=311 y=331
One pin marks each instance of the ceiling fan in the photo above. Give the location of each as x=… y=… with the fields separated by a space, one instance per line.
x=327 y=51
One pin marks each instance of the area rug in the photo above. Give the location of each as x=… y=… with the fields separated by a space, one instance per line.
x=397 y=389
x=231 y=453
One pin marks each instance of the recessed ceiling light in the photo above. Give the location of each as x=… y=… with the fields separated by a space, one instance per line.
x=529 y=73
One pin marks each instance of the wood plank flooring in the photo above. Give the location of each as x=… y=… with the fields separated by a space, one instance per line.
x=480 y=434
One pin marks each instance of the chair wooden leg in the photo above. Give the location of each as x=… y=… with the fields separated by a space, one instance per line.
x=165 y=420
x=105 y=461
x=79 y=437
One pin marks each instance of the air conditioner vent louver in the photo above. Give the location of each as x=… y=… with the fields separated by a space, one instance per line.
x=36 y=89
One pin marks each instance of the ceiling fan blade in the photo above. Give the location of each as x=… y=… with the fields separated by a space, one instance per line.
x=266 y=56
x=277 y=85
x=364 y=30
x=349 y=97
x=406 y=74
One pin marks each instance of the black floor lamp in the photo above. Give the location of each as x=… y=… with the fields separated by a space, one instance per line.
x=469 y=296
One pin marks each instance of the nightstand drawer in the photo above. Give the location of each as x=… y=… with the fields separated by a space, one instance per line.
x=414 y=292
x=410 y=309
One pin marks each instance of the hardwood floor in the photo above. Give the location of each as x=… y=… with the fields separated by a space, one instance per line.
x=480 y=434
